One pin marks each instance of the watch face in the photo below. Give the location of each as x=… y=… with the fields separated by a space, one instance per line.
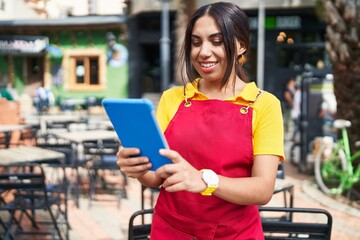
x=210 y=177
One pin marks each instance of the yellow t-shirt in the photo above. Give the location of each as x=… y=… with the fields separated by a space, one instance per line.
x=267 y=122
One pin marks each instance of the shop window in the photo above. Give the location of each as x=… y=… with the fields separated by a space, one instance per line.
x=86 y=69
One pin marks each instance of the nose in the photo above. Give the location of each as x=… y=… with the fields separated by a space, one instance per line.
x=205 y=50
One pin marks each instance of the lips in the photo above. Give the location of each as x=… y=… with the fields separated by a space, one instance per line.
x=207 y=66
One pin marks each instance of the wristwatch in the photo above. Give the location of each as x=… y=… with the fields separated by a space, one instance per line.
x=212 y=181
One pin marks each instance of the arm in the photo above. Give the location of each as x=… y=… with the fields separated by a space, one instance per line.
x=254 y=190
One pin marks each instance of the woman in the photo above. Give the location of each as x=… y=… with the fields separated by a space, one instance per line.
x=225 y=136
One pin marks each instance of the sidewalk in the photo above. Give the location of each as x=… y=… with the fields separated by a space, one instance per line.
x=346 y=219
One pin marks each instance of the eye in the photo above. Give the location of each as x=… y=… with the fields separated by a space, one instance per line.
x=196 y=43
x=217 y=41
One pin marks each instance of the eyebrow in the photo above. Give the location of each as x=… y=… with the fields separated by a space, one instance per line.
x=214 y=35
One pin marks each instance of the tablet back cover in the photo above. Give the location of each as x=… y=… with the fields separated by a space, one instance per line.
x=135 y=124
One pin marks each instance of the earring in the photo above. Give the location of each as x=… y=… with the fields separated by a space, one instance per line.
x=241 y=59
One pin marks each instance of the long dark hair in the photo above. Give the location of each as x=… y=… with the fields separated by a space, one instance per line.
x=234 y=25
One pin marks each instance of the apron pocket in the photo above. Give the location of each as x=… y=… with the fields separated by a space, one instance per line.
x=162 y=230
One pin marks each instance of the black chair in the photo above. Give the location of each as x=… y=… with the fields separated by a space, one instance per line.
x=307 y=223
x=140 y=231
x=72 y=163
x=31 y=200
x=103 y=164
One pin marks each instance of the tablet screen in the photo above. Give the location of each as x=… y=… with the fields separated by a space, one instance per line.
x=136 y=126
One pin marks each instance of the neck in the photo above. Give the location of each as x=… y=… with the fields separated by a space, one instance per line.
x=213 y=90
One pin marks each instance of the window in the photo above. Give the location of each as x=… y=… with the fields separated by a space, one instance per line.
x=86 y=69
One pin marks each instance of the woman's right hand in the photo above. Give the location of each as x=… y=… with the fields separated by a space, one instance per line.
x=130 y=164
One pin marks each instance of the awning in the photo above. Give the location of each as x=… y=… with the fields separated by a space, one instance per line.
x=18 y=45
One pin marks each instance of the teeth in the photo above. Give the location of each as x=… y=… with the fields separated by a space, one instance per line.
x=207 y=65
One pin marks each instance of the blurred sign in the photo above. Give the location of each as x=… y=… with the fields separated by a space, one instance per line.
x=22 y=44
x=277 y=22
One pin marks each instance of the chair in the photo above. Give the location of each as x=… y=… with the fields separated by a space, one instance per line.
x=307 y=223
x=140 y=231
x=103 y=155
x=29 y=200
x=72 y=162
x=28 y=136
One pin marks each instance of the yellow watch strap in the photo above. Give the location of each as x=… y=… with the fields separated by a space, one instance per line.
x=208 y=191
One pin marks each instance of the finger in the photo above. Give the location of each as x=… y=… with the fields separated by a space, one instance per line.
x=166 y=170
x=132 y=161
x=137 y=167
x=172 y=155
x=175 y=187
x=135 y=170
x=171 y=180
x=127 y=152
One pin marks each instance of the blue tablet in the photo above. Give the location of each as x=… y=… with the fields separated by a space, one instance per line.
x=136 y=126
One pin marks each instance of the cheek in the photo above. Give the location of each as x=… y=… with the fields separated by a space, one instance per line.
x=193 y=54
x=194 y=58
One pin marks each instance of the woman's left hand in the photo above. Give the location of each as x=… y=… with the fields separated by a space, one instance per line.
x=179 y=175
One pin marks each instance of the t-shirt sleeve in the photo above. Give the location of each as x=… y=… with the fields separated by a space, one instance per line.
x=162 y=115
x=268 y=131
x=168 y=105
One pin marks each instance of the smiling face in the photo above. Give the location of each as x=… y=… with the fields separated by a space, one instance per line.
x=208 y=54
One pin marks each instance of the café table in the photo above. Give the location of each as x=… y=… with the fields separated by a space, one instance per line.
x=26 y=154
x=79 y=137
x=58 y=118
x=107 y=124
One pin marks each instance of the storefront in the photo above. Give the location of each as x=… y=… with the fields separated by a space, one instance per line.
x=294 y=38
x=75 y=57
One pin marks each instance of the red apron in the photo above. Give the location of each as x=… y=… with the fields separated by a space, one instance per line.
x=209 y=134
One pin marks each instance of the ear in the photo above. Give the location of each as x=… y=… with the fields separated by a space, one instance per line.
x=240 y=49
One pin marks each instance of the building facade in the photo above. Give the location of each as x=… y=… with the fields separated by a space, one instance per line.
x=88 y=59
x=293 y=20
